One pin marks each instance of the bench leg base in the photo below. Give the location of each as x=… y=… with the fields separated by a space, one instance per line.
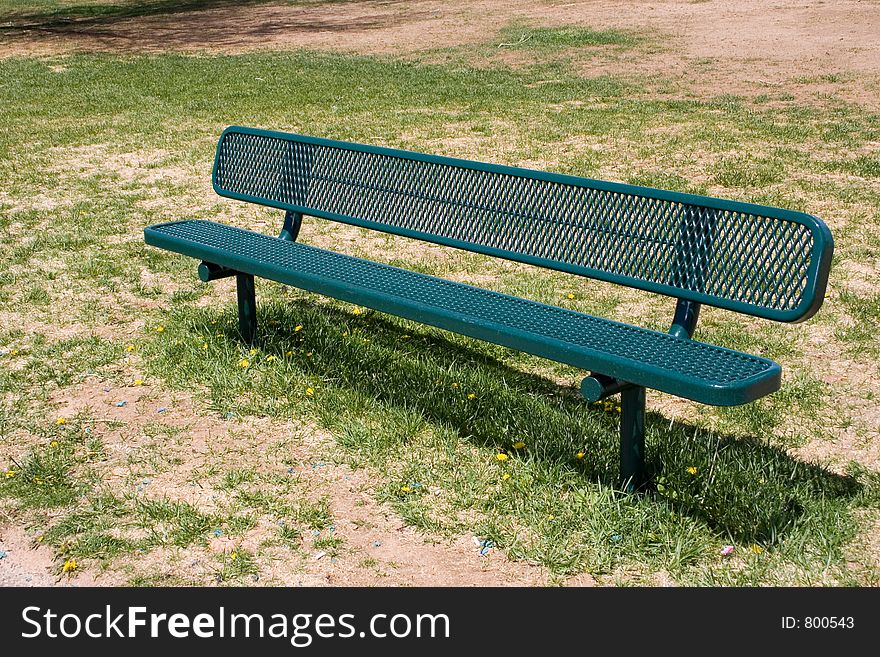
x=247 y=307
x=632 y=438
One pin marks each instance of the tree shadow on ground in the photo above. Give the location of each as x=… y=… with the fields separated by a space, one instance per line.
x=190 y=24
x=744 y=487
x=104 y=14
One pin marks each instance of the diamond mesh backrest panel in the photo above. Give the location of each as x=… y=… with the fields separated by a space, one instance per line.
x=762 y=261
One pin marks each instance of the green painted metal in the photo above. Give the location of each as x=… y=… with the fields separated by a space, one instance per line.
x=632 y=439
x=292 y=224
x=685 y=320
x=247 y=306
x=748 y=258
x=208 y=272
x=687 y=368
x=598 y=386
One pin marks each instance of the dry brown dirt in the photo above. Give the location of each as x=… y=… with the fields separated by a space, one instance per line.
x=377 y=548
x=712 y=47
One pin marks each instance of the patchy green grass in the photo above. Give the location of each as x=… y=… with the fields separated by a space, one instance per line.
x=433 y=411
x=100 y=524
x=116 y=143
x=863 y=166
x=237 y=565
x=747 y=172
x=860 y=334
x=525 y=36
x=56 y=473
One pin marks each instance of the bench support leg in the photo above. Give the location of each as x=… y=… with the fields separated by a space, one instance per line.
x=292 y=224
x=247 y=307
x=632 y=438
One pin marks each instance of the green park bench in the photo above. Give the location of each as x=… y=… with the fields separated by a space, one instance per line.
x=750 y=259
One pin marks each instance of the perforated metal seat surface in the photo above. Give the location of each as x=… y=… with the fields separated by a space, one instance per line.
x=687 y=368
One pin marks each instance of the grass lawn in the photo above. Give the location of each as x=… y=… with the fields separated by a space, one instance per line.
x=93 y=147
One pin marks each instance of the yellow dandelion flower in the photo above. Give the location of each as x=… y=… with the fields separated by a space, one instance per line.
x=139 y=382
x=297 y=328
x=405 y=489
x=129 y=348
x=39 y=539
x=14 y=352
x=345 y=334
x=692 y=470
x=358 y=311
x=310 y=392
x=501 y=456
x=472 y=396
x=54 y=444
x=580 y=455
x=244 y=362
x=69 y=566
x=288 y=353
x=10 y=474
x=551 y=517
x=270 y=358
x=213 y=322
x=160 y=329
x=219 y=334
x=569 y=296
x=756 y=549
x=519 y=444
x=233 y=556
x=205 y=346
x=505 y=476
x=308 y=354
x=455 y=386
x=253 y=352
x=61 y=420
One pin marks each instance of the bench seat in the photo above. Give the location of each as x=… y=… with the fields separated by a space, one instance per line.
x=682 y=367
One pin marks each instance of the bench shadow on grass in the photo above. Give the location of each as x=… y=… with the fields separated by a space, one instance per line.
x=744 y=487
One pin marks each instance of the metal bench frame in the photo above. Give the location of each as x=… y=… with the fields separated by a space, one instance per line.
x=751 y=259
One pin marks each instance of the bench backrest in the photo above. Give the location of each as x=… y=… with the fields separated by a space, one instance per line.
x=762 y=261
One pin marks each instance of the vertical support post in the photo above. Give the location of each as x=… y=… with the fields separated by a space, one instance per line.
x=632 y=438
x=685 y=321
x=247 y=307
x=292 y=224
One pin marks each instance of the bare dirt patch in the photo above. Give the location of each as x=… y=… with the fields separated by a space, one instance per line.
x=27 y=563
x=810 y=50
x=377 y=547
x=397 y=554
